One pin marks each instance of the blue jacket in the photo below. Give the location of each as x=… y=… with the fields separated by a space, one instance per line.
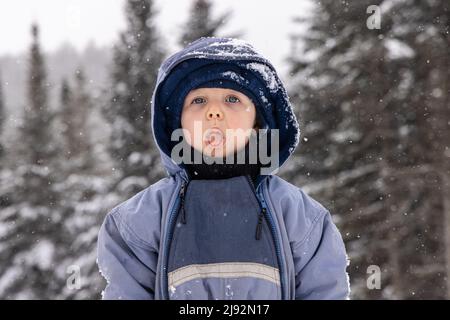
x=222 y=239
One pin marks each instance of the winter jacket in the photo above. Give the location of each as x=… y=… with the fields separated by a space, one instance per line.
x=226 y=238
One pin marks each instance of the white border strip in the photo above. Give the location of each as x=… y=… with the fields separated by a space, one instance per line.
x=224 y=270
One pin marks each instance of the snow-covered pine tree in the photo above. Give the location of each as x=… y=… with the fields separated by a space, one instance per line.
x=65 y=110
x=368 y=126
x=137 y=57
x=85 y=194
x=37 y=115
x=76 y=105
x=30 y=221
x=200 y=22
x=419 y=41
x=90 y=194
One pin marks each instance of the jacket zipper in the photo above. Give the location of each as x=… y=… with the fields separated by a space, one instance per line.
x=171 y=223
x=265 y=212
x=262 y=210
x=183 y=212
x=259 y=225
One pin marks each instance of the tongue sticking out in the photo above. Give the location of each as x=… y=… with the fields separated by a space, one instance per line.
x=214 y=137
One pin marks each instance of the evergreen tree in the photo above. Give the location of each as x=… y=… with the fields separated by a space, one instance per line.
x=201 y=23
x=76 y=105
x=38 y=146
x=37 y=115
x=85 y=196
x=136 y=60
x=32 y=217
x=65 y=114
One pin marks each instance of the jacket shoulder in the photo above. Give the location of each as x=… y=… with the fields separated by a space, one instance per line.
x=299 y=211
x=296 y=194
x=139 y=217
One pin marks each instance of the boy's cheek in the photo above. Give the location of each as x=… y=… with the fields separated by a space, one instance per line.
x=193 y=139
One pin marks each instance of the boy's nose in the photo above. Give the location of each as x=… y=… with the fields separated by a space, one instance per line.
x=214 y=113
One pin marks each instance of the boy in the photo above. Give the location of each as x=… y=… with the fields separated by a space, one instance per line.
x=213 y=228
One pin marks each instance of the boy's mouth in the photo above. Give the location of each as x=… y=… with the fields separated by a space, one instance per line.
x=214 y=137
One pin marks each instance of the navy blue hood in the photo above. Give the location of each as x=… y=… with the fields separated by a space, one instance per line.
x=240 y=66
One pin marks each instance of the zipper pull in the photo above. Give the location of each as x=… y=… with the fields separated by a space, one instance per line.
x=183 y=213
x=259 y=225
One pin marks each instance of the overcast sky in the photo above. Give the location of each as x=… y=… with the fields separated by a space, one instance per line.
x=265 y=23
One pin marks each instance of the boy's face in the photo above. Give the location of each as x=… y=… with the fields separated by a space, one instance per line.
x=218 y=121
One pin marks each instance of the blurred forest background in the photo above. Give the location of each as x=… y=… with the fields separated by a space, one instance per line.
x=374 y=110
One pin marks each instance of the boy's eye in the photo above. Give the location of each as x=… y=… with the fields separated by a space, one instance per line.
x=233 y=99
x=198 y=100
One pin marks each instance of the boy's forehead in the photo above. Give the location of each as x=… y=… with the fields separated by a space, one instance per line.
x=213 y=91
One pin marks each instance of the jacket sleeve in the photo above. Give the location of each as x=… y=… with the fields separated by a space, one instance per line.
x=320 y=262
x=126 y=262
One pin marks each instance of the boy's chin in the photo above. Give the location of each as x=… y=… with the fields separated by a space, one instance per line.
x=216 y=152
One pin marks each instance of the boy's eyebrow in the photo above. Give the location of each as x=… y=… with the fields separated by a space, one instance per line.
x=192 y=95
